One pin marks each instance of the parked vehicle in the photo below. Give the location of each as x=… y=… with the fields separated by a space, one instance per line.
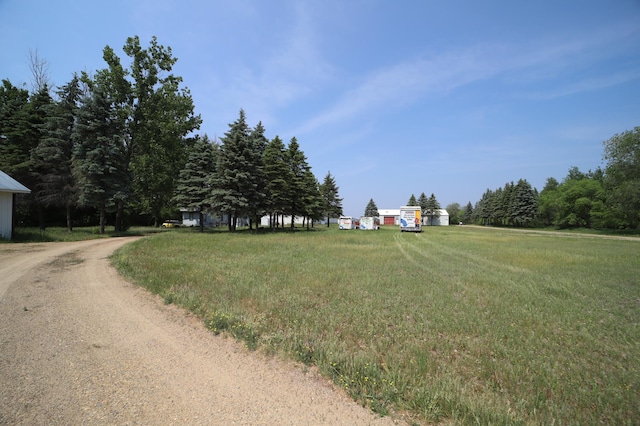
x=368 y=223
x=410 y=219
x=347 y=222
x=170 y=223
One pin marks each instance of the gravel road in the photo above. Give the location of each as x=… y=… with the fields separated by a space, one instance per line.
x=80 y=345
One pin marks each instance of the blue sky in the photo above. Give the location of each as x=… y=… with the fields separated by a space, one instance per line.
x=392 y=97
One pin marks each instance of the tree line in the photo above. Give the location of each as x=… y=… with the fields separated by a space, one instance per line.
x=606 y=198
x=122 y=144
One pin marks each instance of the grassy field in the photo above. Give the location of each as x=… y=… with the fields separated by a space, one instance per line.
x=456 y=324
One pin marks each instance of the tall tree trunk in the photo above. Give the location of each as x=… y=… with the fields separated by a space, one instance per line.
x=69 y=224
x=103 y=219
x=119 y=214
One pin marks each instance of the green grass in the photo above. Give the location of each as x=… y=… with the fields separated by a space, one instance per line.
x=456 y=324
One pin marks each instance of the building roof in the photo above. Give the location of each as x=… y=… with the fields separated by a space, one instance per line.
x=9 y=184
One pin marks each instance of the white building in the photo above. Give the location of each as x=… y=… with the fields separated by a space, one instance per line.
x=392 y=217
x=441 y=220
x=9 y=187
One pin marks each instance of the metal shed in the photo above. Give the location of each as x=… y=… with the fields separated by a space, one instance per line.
x=9 y=187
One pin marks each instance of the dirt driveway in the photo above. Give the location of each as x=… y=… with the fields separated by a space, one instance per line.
x=80 y=345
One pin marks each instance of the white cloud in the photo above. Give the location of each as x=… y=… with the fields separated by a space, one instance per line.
x=407 y=82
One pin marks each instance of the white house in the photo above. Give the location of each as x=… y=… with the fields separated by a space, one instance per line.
x=9 y=187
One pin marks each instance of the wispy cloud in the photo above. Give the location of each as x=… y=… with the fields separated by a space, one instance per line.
x=413 y=80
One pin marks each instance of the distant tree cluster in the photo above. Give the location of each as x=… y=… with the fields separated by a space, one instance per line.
x=121 y=143
x=246 y=175
x=608 y=198
x=513 y=205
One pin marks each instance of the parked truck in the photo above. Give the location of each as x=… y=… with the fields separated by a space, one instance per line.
x=410 y=219
x=368 y=223
x=347 y=222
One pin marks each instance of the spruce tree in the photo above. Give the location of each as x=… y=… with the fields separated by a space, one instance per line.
x=371 y=210
x=256 y=187
x=331 y=202
x=298 y=168
x=412 y=201
x=423 y=202
x=524 y=204
x=56 y=185
x=276 y=173
x=193 y=185
x=468 y=213
x=232 y=180
x=432 y=209
x=98 y=154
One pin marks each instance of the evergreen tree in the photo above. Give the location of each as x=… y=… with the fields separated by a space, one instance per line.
x=193 y=184
x=256 y=187
x=98 y=155
x=468 y=213
x=312 y=199
x=298 y=167
x=14 y=153
x=232 y=181
x=371 y=210
x=331 y=202
x=432 y=209
x=276 y=172
x=412 y=201
x=52 y=157
x=524 y=204
x=423 y=202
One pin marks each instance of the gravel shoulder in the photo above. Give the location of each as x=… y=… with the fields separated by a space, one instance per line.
x=81 y=345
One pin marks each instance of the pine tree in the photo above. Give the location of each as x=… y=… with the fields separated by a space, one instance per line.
x=432 y=209
x=98 y=156
x=371 y=210
x=256 y=187
x=423 y=202
x=296 y=189
x=412 y=201
x=331 y=202
x=232 y=180
x=524 y=204
x=14 y=153
x=56 y=185
x=276 y=172
x=193 y=184
x=468 y=213
x=312 y=200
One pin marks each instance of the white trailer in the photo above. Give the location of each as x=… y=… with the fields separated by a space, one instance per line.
x=347 y=222
x=410 y=220
x=368 y=223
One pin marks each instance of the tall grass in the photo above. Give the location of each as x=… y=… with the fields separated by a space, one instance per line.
x=456 y=324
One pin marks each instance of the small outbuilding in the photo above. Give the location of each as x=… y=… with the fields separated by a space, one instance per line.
x=9 y=187
x=441 y=220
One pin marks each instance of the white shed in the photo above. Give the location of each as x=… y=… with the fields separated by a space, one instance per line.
x=442 y=220
x=9 y=187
